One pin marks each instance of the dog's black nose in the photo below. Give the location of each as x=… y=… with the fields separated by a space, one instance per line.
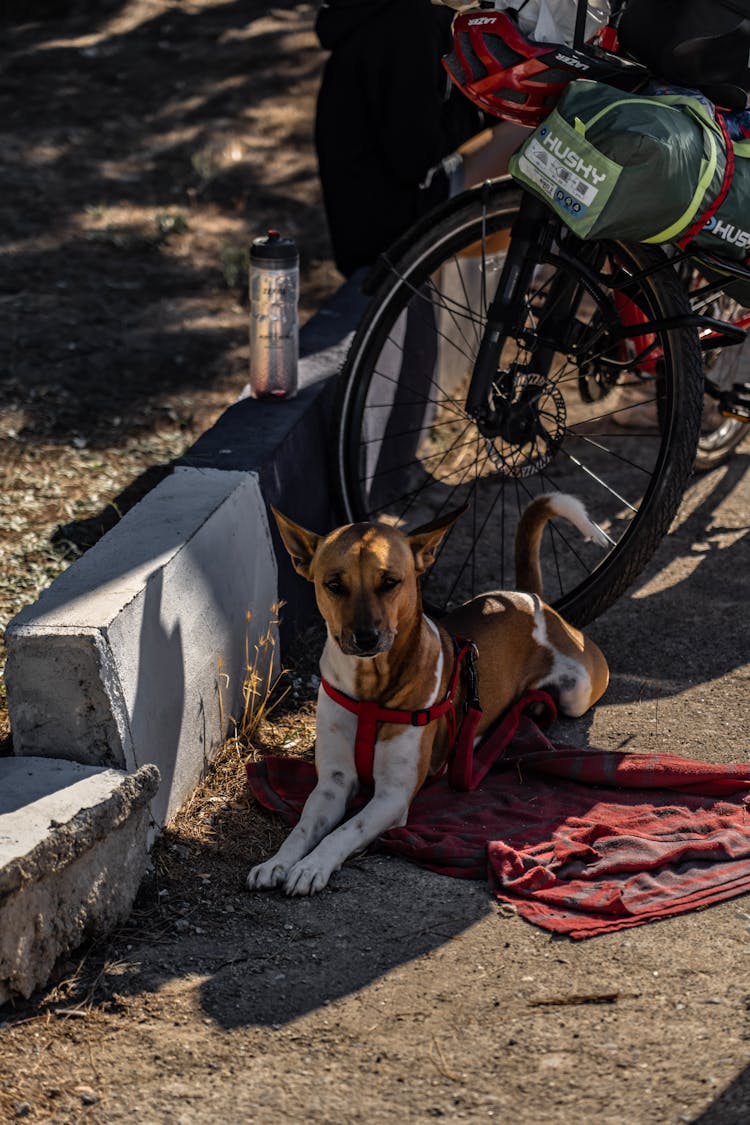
x=366 y=640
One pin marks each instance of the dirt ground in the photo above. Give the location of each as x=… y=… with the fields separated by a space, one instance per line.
x=143 y=145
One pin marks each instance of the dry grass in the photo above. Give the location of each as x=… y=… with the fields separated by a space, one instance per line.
x=263 y=689
x=55 y=1077
x=278 y=717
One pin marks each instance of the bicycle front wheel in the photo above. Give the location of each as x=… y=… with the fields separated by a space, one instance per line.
x=612 y=418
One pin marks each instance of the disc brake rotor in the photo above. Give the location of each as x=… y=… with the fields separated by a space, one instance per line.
x=535 y=429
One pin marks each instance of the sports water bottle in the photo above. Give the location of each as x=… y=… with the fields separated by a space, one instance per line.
x=274 y=336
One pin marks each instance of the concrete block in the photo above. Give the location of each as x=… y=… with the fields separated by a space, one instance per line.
x=121 y=661
x=72 y=854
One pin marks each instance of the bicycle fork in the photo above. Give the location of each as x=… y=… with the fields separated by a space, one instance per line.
x=531 y=236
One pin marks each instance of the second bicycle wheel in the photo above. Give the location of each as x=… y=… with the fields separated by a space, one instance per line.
x=720 y=435
x=610 y=418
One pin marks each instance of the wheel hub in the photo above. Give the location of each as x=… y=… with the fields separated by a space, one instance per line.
x=525 y=427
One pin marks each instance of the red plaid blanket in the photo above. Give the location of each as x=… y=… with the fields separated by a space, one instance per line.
x=580 y=841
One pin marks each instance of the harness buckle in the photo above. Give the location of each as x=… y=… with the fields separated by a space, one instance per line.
x=422 y=717
x=471 y=702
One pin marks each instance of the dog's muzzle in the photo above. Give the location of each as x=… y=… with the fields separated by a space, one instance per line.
x=364 y=642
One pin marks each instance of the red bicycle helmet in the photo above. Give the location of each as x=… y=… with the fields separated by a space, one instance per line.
x=501 y=71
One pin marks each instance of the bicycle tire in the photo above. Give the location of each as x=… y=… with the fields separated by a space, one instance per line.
x=720 y=435
x=717 y=443
x=409 y=287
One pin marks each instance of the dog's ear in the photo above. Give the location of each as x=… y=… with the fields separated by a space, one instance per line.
x=425 y=541
x=300 y=544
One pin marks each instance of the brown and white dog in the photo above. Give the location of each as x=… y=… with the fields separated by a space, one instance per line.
x=382 y=647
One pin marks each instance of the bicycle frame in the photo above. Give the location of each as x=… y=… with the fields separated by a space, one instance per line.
x=531 y=236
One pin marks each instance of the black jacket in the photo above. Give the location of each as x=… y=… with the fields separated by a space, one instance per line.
x=386 y=114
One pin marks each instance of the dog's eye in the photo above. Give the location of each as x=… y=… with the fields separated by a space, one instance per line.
x=389 y=583
x=335 y=586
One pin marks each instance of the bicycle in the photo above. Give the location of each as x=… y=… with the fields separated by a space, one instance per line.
x=499 y=358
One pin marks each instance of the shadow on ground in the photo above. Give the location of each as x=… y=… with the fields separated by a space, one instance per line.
x=689 y=593
x=732 y=1106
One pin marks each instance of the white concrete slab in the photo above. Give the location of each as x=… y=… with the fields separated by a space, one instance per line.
x=72 y=853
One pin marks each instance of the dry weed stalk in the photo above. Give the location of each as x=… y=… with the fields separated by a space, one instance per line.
x=261 y=688
x=262 y=692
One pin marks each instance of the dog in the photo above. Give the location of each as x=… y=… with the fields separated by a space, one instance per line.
x=383 y=649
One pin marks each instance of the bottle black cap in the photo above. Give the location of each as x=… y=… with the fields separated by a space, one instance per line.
x=274 y=247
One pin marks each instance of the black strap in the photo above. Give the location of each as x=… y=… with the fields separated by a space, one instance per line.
x=579 y=35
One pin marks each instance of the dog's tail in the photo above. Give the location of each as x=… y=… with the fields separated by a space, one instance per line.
x=529 y=534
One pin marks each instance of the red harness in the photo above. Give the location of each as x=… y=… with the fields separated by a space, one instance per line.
x=460 y=764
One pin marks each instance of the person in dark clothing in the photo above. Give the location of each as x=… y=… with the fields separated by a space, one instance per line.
x=387 y=118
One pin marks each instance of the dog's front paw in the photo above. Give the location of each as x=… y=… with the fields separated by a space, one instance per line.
x=306 y=878
x=266 y=875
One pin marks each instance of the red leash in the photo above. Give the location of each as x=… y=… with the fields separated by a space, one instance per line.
x=469 y=764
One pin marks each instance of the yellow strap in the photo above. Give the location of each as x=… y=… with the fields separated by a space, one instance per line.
x=624 y=101
x=708 y=168
x=697 y=110
x=675 y=102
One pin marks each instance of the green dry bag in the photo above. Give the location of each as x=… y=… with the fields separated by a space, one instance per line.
x=617 y=165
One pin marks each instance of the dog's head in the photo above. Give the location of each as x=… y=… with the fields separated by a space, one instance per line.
x=365 y=577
